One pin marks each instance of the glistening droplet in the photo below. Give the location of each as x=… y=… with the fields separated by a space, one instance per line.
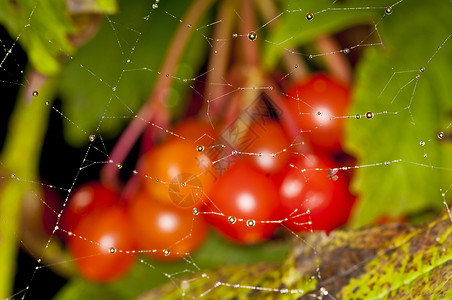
x=369 y=115
x=252 y=36
x=250 y=223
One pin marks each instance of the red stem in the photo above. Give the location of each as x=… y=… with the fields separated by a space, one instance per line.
x=287 y=119
x=269 y=11
x=155 y=103
x=335 y=60
x=218 y=60
x=249 y=48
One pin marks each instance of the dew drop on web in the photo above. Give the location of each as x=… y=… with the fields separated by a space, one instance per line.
x=252 y=36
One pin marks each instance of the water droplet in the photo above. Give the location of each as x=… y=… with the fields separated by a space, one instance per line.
x=119 y=166
x=369 y=115
x=183 y=184
x=234 y=152
x=323 y=291
x=358 y=116
x=308 y=211
x=309 y=16
x=135 y=172
x=388 y=10
x=252 y=36
x=81 y=65
x=234 y=35
x=35 y=93
x=346 y=51
x=387 y=162
x=440 y=135
x=296 y=66
x=250 y=223
x=92 y=137
x=292 y=165
x=425 y=154
x=112 y=250
x=155 y=5
x=189 y=25
x=46 y=103
x=200 y=148
x=166 y=252
x=69 y=233
x=319 y=113
x=422 y=69
x=185 y=285
x=422 y=143
x=232 y=220
x=13 y=175
x=310 y=56
x=195 y=211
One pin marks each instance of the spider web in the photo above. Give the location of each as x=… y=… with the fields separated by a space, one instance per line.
x=87 y=148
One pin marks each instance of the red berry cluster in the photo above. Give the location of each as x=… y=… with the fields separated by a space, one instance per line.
x=270 y=180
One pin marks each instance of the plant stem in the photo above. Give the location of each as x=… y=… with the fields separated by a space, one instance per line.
x=287 y=119
x=218 y=60
x=250 y=50
x=335 y=60
x=20 y=156
x=154 y=105
x=269 y=11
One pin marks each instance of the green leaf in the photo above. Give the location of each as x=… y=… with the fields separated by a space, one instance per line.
x=386 y=80
x=391 y=261
x=92 y=6
x=120 y=66
x=294 y=30
x=149 y=274
x=41 y=27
